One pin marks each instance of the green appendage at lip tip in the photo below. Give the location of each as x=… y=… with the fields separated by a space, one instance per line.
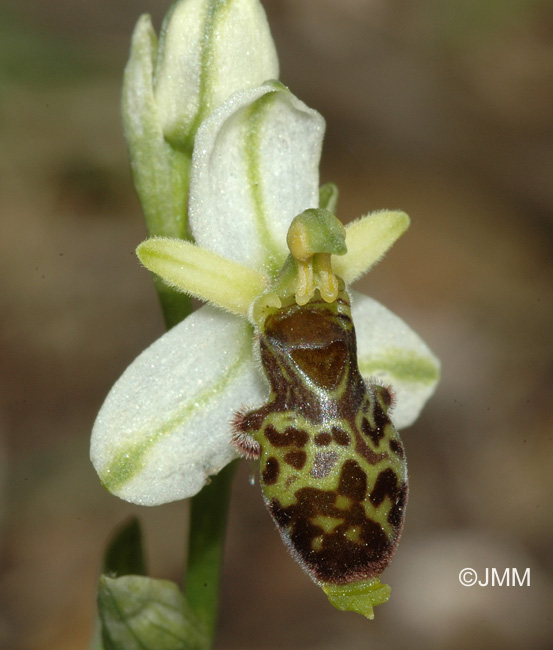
x=411 y=368
x=360 y=597
x=128 y=462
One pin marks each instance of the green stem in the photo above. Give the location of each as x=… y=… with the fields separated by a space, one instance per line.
x=208 y=510
x=208 y=522
x=175 y=305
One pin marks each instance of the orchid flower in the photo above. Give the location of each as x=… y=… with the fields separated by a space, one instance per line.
x=225 y=162
x=165 y=427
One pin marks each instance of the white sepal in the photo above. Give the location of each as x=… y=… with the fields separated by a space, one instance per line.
x=255 y=167
x=165 y=426
x=390 y=351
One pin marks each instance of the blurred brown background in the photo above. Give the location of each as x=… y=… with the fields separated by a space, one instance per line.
x=442 y=109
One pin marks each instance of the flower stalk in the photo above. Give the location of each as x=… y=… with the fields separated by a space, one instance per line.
x=207 y=530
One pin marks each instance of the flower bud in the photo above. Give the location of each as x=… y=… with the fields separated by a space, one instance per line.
x=207 y=50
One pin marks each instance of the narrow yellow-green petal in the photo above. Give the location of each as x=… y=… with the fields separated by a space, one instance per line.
x=202 y=273
x=367 y=240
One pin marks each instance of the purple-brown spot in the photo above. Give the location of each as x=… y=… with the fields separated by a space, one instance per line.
x=375 y=434
x=323 y=439
x=338 y=559
x=290 y=437
x=353 y=481
x=340 y=436
x=381 y=419
x=271 y=471
x=397 y=447
x=386 y=485
x=395 y=516
x=296 y=459
x=385 y=394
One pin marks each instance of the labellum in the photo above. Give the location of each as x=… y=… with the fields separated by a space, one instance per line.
x=333 y=469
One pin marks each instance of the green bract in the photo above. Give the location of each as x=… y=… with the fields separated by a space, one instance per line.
x=208 y=49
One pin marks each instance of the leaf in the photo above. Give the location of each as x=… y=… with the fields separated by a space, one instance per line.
x=140 y=613
x=125 y=554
